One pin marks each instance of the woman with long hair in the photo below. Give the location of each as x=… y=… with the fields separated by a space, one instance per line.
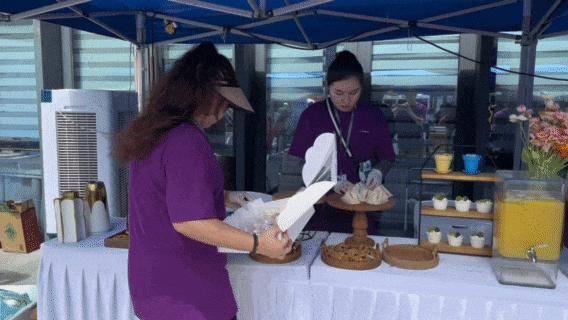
x=177 y=195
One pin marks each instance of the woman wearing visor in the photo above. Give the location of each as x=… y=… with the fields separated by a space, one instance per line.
x=364 y=146
x=177 y=198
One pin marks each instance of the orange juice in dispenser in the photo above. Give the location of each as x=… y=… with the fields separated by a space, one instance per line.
x=528 y=225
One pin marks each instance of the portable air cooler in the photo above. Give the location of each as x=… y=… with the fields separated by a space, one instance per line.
x=78 y=128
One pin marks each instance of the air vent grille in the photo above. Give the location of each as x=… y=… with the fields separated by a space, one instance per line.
x=76 y=150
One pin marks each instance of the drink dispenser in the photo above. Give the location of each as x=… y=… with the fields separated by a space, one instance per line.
x=528 y=224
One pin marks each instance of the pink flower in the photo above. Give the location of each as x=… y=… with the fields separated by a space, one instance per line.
x=541 y=135
x=522 y=108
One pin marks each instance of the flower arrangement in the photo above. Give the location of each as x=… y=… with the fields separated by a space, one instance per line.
x=546 y=148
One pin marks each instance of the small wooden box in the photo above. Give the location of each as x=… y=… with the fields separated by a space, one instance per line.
x=19 y=228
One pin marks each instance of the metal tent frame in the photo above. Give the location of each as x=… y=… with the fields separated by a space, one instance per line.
x=258 y=13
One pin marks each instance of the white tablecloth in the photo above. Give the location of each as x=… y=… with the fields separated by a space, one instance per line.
x=274 y=291
x=84 y=280
x=461 y=287
x=88 y=281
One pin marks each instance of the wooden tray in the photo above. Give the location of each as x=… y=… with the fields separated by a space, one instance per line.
x=293 y=255
x=413 y=257
x=452 y=212
x=338 y=256
x=458 y=176
x=334 y=200
x=466 y=249
x=120 y=240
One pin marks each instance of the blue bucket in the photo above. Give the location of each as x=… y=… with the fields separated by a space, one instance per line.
x=471 y=163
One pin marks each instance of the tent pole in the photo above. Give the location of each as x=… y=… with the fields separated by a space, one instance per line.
x=45 y=9
x=220 y=29
x=140 y=75
x=470 y=10
x=526 y=83
x=297 y=7
x=100 y=24
x=54 y=16
x=255 y=9
x=301 y=27
x=216 y=7
x=555 y=34
x=543 y=24
x=190 y=38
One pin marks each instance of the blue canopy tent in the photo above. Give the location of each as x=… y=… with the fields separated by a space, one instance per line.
x=311 y=24
x=307 y=24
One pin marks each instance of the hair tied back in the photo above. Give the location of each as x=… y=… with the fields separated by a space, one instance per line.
x=205 y=49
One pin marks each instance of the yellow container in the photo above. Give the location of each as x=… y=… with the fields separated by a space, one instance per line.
x=524 y=224
x=527 y=229
x=443 y=162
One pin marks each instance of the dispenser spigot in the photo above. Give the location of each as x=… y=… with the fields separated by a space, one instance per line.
x=531 y=253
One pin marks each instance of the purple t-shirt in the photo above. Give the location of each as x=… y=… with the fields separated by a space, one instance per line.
x=170 y=275
x=370 y=136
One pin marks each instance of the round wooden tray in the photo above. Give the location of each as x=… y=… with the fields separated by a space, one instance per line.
x=293 y=255
x=345 y=256
x=413 y=257
x=334 y=200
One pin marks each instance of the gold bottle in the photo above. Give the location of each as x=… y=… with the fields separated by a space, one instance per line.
x=96 y=208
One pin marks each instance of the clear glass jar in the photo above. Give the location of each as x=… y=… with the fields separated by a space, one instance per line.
x=527 y=229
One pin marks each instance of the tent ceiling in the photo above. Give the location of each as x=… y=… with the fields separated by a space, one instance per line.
x=305 y=23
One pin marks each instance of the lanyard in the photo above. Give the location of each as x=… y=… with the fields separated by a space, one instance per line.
x=336 y=123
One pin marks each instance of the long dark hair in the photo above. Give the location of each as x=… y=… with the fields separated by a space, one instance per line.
x=189 y=86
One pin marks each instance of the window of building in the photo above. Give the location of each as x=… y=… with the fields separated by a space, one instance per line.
x=102 y=63
x=18 y=93
x=415 y=85
x=552 y=61
x=294 y=77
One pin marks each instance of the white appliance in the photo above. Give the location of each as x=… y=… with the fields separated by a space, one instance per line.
x=77 y=132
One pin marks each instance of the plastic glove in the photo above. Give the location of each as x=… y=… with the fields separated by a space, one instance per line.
x=239 y=197
x=374 y=179
x=364 y=170
x=342 y=185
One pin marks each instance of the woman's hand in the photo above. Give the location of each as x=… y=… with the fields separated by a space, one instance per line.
x=274 y=243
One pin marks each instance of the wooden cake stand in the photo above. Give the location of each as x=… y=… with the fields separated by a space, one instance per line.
x=357 y=252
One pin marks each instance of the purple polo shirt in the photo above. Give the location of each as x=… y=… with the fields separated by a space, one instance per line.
x=370 y=136
x=170 y=275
